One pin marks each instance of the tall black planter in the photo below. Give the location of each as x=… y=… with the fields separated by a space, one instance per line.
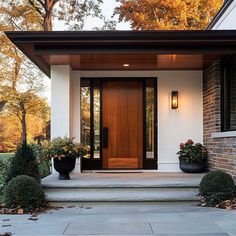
x=192 y=167
x=64 y=167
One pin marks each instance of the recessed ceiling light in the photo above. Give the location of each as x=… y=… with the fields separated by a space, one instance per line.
x=126 y=65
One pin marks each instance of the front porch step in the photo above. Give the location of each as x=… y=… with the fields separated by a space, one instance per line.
x=138 y=187
x=121 y=194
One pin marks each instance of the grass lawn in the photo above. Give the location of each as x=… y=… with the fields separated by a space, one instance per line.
x=6 y=155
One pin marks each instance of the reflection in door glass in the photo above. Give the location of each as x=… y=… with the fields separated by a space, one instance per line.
x=85 y=117
x=96 y=124
x=150 y=119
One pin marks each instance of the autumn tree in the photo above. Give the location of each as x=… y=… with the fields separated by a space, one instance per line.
x=168 y=14
x=72 y=12
x=20 y=81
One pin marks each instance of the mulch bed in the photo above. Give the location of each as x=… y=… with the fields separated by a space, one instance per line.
x=227 y=204
x=20 y=211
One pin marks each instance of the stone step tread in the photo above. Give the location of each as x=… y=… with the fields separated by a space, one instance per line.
x=122 y=196
x=121 y=190
x=116 y=195
x=119 y=185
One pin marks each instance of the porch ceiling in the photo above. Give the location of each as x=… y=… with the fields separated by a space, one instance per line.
x=110 y=50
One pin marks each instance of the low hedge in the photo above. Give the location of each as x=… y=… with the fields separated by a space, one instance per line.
x=216 y=186
x=24 y=192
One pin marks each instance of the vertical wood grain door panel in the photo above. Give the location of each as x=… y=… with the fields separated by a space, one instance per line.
x=122 y=115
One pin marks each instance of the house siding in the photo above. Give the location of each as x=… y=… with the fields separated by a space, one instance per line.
x=226 y=19
x=222 y=150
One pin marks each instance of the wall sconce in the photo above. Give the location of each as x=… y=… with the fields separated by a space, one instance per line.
x=174 y=99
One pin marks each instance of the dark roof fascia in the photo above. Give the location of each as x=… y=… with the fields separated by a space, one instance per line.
x=219 y=14
x=121 y=36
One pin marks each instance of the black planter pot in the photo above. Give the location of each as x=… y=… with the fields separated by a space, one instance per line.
x=192 y=167
x=64 y=167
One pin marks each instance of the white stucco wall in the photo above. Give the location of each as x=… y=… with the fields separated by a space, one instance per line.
x=178 y=125
x=65 y=104
x=228 y=20
x=60 y=101
x=174 y=126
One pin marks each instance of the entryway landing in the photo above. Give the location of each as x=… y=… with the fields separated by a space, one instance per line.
x=118 y=179
x=122 y=187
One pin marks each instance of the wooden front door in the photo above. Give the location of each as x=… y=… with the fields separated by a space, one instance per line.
x=122 y=119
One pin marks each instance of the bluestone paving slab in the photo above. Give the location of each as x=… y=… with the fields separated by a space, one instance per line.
x=112 y=228
x=126 y=219
x=190 y=227
x=132 y=218
x=37 y=228
x=200 y=234
x=228 y=225
x=203 y=216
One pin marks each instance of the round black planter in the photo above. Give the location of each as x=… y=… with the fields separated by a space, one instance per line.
x=192 y=167
x=64 y=167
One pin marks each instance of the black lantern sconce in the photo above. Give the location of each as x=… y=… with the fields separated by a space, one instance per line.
x=174 y=99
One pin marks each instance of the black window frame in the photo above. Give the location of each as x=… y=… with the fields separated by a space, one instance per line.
x=228 y=70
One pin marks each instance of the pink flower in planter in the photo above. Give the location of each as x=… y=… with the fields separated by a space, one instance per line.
x=190 y=141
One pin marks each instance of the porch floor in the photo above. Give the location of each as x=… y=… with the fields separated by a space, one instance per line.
x=144 y=179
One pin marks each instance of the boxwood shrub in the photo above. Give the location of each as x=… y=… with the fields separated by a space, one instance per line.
x=24 y=192
x=23 y=163
x=216 y=186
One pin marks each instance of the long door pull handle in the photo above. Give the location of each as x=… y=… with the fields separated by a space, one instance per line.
x=105 y=137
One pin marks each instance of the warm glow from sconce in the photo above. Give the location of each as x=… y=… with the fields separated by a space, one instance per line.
x=126 y=65
x=174 y=99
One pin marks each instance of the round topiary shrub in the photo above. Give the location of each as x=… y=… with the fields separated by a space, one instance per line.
x=216 y=186
x=23 y=163
x=24 y=192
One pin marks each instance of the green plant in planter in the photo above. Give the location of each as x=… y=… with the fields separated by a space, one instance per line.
x=192 y=152
x=64 y=152
x=62 y=148
x=193 y=157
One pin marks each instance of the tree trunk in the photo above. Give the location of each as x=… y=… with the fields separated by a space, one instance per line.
x=23 y=123
x=47 y=23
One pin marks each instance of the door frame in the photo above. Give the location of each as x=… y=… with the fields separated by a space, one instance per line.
x=96 y=82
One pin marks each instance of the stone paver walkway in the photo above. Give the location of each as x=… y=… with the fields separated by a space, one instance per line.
x=125 y=219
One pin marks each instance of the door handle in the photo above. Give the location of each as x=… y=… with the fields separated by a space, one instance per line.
x=105 y=137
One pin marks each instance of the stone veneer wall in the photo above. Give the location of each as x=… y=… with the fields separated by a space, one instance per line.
x=222 y=151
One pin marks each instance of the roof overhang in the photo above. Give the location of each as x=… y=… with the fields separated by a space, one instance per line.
x=48 y=48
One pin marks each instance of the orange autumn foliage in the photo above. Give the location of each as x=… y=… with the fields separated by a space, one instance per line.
x=10 y=130
x=168 y=14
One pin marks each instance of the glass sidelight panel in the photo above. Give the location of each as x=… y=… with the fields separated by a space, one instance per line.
x=90 y=117
x=150 y=119
x=96 y=123
x=85 y=114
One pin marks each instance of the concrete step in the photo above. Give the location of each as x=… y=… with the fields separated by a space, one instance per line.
x=122 y=188
x=135 y=194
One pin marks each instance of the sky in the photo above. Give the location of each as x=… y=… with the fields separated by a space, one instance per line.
x=107 y=8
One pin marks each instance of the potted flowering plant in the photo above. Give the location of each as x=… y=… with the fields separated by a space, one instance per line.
x=192 y=157
x=64 y=152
